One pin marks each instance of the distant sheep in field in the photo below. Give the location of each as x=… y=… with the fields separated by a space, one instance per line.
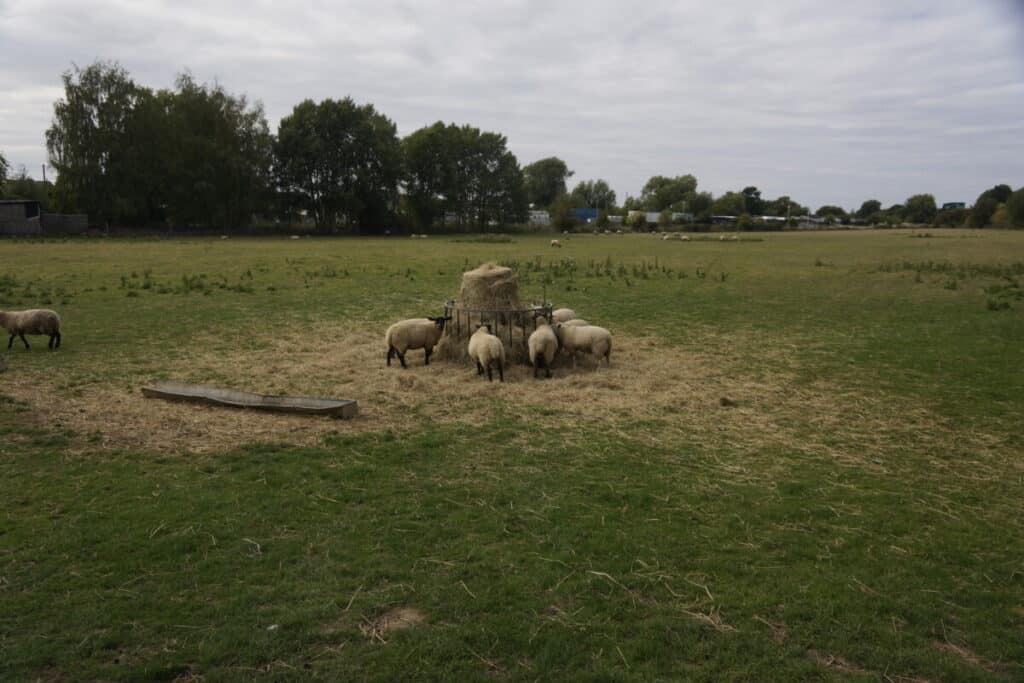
x=684 y=238
x=556 y=243
x=416 y=333
x=488 y=351
x=33 y=321
x=561 y=315
x=590 y=339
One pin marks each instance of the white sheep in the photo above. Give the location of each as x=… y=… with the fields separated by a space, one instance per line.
x=487 y=350
x=415 y=333
x=576 y=322
x=556 y=243
x=543 y=345
x=590 y=339
x=562 y=315
x=33 y=321
x=685 y=238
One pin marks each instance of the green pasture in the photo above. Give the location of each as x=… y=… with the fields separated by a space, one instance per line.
x=885 y=542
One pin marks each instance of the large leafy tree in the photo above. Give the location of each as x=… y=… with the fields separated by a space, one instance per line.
x=341 y=161
x=463 y=172
x=1015 y=207
x=593 y=193
x=88 y=138
x=218 y=156
x=986 y=205
x=545 y=181
x=869 y=208
x=921 y=208
x=752 y=202
x=729 y=204
x=661 y=192
x=833 y=212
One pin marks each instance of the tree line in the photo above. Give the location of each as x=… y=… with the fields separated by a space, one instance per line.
x=197 y=156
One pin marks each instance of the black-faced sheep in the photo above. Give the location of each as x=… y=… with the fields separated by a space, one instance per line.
x=487 y=350
x=34 y=321
x=589 y=339
x=416 y=333
x=543 y=345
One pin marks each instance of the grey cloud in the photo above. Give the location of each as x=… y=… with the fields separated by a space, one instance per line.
x=827 y=103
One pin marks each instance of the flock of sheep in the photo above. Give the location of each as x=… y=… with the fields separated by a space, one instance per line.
x=565 y=332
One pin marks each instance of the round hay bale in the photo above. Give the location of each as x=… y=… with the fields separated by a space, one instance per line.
x=489 y=294
x=490 y=287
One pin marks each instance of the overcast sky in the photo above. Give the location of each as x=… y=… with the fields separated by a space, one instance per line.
x=830 y=102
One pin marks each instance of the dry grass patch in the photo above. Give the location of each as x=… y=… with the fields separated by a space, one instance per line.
x=397 y=619
x=659 y=394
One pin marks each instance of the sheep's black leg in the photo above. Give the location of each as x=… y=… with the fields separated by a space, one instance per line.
x=24 y=341
x=426 y=358
x=401 y=357
x=489 y=378
x=479 y=368
x=391 y=352
x=11 y=341
x=50 y=344
x=501 y=371
x=536 y=365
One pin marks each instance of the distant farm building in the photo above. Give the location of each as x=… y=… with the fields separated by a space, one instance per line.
x=587 y=215
x=540 y=218
x=26 y=217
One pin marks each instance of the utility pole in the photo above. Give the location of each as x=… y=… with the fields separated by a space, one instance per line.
x=44 y=174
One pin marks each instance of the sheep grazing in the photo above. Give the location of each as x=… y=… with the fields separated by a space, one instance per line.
x=488 y=351
x=556 y=243
x=33 y=321
x=416 y=333
x=561 y=315
x=590 y=339
x=543 y=345
x=685 y=238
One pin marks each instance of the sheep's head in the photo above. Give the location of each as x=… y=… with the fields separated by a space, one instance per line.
x=440 y=321
x=483 y=327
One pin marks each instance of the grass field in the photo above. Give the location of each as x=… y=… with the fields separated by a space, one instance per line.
x=853 y=511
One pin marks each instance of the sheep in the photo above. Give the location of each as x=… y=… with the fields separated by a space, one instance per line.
x=415 y=333
x=556 y=243
x=562 y=315
x=543 y=345
x=685 y=238
x=589 y=339
x=33 y=321
x=576 y=322
x=487 y=350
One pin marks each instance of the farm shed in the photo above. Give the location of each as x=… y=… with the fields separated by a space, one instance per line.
x=20 y=217
x=26 y=217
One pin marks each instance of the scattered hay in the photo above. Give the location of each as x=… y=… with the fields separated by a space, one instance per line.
x=654 y=393
x=963 y=653
x=397 y=619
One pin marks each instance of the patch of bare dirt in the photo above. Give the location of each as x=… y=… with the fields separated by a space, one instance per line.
x=834 y=662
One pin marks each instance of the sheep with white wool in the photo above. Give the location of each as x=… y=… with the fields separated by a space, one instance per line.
x=32 y=321
x=588 y=339
x=543 y=345
x=488 y=351
x=561 y=315
x=556 y=243
x=415 y=333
